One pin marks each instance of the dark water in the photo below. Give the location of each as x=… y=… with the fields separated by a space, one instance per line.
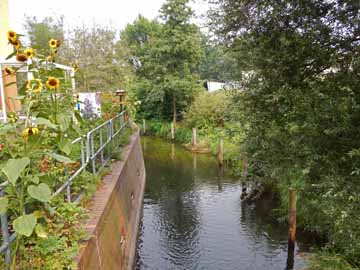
x=194 y=218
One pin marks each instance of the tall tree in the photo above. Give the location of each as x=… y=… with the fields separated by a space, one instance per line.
x=302 y=102
x=180 y=53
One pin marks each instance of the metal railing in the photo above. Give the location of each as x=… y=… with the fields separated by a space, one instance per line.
x=93 y=148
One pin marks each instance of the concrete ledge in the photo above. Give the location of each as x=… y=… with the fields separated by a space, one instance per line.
x=115 y=212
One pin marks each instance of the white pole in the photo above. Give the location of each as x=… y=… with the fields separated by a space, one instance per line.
x=29 y=73
x=2 y=93
x=72 y=74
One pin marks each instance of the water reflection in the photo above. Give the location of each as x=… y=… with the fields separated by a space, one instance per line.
x=194 y=218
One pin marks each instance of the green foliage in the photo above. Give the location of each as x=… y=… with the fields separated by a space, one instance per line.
x=217 y=62
x=329 y=261
x=209 y=110
x=165 y=57
x=96 y=51
x=301 y=103
x=40 y=32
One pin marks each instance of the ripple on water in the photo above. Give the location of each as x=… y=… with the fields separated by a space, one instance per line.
x=194 y=218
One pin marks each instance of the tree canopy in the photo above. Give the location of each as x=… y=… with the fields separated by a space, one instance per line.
x=302 y=100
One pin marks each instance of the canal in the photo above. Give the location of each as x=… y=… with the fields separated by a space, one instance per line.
x=194 y=218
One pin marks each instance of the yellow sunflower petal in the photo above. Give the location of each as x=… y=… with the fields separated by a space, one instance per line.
x=53 y=43
x=52 y=83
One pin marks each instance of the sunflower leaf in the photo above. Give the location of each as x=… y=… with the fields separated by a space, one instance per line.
x=64 y=121
x=45 y=122
x=14 y=168
x=24 y=225
x=11 y=55
x=41 y=192
x=60 y=158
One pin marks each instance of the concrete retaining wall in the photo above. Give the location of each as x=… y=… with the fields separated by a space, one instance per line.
x=115 y=213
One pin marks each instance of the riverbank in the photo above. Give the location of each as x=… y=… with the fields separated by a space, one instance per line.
x=194 y=217
x=326 y=258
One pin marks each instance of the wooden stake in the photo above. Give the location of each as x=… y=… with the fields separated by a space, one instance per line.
x=193 y=137
x=172 y=151
x=220 y=155
x=292 y=215
x=292 y=229
x=173 y=131
x=144 y=126
x=244 y=167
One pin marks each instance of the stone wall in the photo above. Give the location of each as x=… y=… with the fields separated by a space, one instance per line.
x=115 y=213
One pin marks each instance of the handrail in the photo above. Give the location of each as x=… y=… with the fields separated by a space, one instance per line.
x=88 y=155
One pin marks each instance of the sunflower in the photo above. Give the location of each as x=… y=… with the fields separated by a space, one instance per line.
x=9 y=71
x=50 y=59
x=16 y=44
x=58 y=43
x=52 y=83
x=53 y=43
x=75 y=66
x=12 y=36
x=21 y=57
x=30 y=52
x=13 y=117
x=29 y=132
x=34 y=85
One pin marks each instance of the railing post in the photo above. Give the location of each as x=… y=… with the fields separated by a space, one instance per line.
x=68 y=193
x=5 y=236
x=144 y=126
x=101 y=145
x=92 y=157
x=82 y=153
x=109 y=135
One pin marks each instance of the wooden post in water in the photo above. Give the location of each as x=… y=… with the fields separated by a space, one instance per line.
x=292 y=228
x=244 y=176
x=292 y=215
x=172 y=151
x=172 y=132
x=193 y=142
x=220 y=155
x=144 y=126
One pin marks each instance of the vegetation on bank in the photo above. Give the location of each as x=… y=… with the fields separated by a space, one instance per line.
x=296 y=111
x=38 y=156
x=295 y=116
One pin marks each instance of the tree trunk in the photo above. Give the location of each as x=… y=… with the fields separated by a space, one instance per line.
x=174 y=110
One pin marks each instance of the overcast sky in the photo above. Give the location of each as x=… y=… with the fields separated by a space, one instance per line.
x=115 y=13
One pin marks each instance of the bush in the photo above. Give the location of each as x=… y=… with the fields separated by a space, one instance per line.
x=209 y=110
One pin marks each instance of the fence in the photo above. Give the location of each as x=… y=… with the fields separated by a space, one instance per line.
x=94 y=146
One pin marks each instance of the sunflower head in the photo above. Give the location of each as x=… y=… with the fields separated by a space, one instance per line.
x=21 y=57
x=75 y=67
x=9 y=71
x=34 y=85
x=50 y=59
x=12 y=36
x=29 y=132
x=16 y=44
x=30 y=52
x=13 y=117
x=58 y=43
x=53 y=43
x=52 y=83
